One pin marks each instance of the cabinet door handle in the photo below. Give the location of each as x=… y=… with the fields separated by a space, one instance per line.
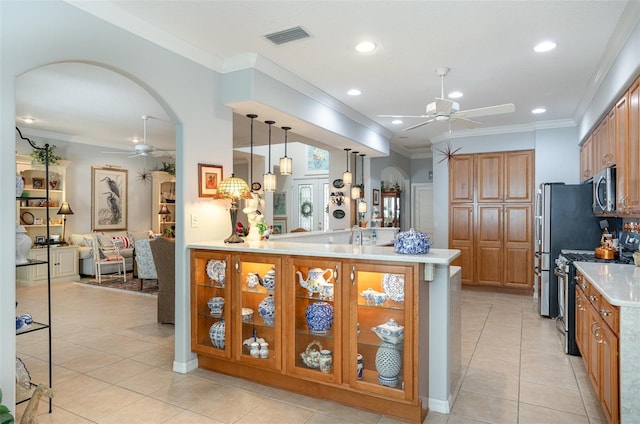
x=604 y=312
x=353 y=275
x=237 y=265
x=593 y=298
x=335 y=274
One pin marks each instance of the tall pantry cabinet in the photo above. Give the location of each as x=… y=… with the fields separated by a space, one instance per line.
x=490 y=217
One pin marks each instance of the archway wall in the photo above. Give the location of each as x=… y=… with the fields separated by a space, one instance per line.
x=35 y=34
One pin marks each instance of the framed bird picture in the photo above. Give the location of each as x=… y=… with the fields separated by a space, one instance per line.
x=108 y=198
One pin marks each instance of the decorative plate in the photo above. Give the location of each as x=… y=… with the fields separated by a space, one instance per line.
x=393 y=286
x=216 y=270
x=256 y=186
x=338 y=214
x=338 y=183
x=27 y=218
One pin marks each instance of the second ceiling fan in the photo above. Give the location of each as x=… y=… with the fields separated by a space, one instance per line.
x=447 y=110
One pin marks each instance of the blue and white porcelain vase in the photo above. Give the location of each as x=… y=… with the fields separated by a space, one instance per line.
x=19 y=185
x=319 y=317
x=269 y=280
x=217 y=334
x=388 y=364
x=267 y=310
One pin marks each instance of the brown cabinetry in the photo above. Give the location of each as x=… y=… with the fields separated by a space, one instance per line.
x=319 y=328
x=597 y=330
x=496 y=242
x=586 y=159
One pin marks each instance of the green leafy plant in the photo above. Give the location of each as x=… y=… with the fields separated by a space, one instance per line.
x=5 y=414
x=262 y=226
x=39 y=155
x=169 y=168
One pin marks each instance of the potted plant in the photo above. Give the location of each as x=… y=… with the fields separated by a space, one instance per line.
x=39 y=155
x=5 y=414
x=169 y=168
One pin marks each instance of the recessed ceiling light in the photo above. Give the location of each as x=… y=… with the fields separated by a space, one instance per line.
x=455 y=94
x=136 y=140
x=365 y=46
x=28 y=119
x=538 y=110
x=354 y=92
x=397 y=121
x=544 y=46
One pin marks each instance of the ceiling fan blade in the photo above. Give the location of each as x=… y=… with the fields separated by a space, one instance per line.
x=163 y=153
x=467 y=123
x=116 y=153
x=485 y=111
x=404 y=116
x=418 y=125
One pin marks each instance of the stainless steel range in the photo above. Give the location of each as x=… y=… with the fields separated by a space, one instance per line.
x=566 y=273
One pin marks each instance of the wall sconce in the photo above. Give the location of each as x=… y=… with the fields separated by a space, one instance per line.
x=286 y=164
x=269 y=179
x=346 y=176
x=337 y=198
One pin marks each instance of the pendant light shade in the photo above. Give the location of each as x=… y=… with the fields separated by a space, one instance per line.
x=346 y=176
x=362 y=155
x=269 y=180
x=286 y=164
x=362 y=207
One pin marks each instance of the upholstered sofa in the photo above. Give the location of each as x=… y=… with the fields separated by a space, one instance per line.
x=124 y=239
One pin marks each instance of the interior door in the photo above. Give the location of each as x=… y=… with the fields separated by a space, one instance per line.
x=422 y=208
x=311 y=196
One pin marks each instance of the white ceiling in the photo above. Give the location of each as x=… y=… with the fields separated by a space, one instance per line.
x=488 y=45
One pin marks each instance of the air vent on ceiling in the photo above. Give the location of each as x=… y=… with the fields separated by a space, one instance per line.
x=287 y=35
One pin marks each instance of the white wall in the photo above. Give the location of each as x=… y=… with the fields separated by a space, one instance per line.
x=187 y=91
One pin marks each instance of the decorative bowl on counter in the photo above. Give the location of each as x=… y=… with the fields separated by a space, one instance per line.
x=390 y=331
x=412 y=242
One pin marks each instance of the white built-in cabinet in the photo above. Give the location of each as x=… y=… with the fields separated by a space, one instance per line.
x=163 y=194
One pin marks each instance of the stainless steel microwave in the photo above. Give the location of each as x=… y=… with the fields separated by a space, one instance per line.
x=604 y=190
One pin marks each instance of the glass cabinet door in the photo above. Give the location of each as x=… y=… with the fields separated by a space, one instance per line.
x=391 y=208
x=210 y=303
x=314 y=333
x=381 y=333
x=257 y=318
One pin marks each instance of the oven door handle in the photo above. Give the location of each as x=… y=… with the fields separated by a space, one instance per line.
x=559 y=272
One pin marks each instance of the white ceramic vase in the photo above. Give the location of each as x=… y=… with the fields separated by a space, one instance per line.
x=23 y=245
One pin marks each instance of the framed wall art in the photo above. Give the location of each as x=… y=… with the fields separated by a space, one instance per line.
x=317 y=161
x=375 y=197
x=108 y=198
x=37 y=182
x=279 y=225
x=279 y=204
x=209 y=176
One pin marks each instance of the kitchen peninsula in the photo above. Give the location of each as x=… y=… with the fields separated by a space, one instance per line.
x=611 y=295
x=361 y=325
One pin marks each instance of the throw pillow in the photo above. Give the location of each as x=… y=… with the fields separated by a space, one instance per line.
x=122 y=242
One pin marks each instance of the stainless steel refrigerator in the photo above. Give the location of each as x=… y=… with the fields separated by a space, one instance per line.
x=564 y=220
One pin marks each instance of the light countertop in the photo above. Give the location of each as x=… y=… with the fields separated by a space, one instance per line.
x=619 y=284
x=347 y=251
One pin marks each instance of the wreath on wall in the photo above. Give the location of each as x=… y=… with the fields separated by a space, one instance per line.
x=306 y=209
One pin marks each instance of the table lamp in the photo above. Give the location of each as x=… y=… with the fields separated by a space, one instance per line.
x=233 y=188
x=64 y=210
x=164 y=211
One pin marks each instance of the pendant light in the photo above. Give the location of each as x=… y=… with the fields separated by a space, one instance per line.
x=346 y=176
x=362 y=155
x=255 y=186
x=286 y=165
x=355 y=189
x=269 y=180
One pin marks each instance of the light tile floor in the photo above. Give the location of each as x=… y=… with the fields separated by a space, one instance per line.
x=113 y=364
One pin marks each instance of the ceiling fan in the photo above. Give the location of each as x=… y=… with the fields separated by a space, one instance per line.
x=144 y=149
x=447 y=110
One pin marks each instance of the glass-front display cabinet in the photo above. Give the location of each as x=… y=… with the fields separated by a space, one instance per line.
x=314 y=332
x=391 y=208
x=258 y=317
x=382 y=321
x=210 y=303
